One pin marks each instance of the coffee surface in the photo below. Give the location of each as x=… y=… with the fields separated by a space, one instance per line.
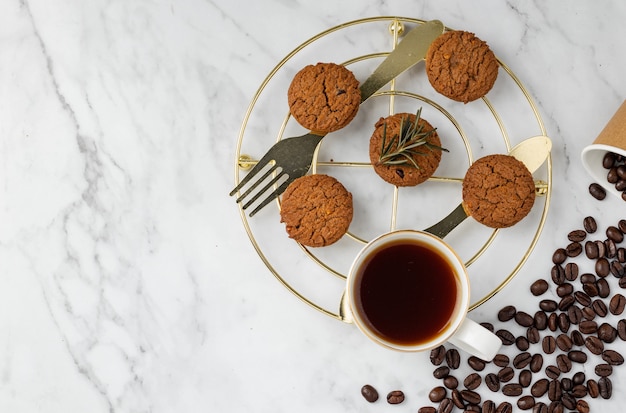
x=407 y=292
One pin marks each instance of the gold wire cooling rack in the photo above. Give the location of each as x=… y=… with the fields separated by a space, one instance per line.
x=317 y=276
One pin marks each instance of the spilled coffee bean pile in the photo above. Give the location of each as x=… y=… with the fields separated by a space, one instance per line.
x=555 y=359
x=615 y=165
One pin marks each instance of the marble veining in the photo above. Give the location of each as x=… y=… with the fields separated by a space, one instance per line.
x=129 y=283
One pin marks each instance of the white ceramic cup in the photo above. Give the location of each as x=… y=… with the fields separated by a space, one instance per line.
x=407 y=324
x=611 y=139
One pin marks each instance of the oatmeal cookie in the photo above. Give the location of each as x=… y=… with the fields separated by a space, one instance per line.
x=324 y=97
x=316 y=209
x=425 y=157
x=498 y=191
x=461 y=66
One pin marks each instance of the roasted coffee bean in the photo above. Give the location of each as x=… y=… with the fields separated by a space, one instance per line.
x=540 y=387
x=575 y=314
x=588 y=327
x=617 y=268
x=614 y=233
x=524 y=319
x=548 y=344
x=611 y=176
x=564 y=289
x=552 y=322
x=554 y=390
x=579 y=378
x=617 y=304
x=472 y=381
x=568 y=401
x=540 y=407
x=612 y=357
x=606 y=387
x=594 y=345
x=369 y=393
x=473 y=408
x=591 y=289
x=587 y=278
x=506 y=336
x=489 y=406
x=604 y=370
x=582 y=406
x=608 y=160
x=566 y=384
x=522 y=343
x=557 y=273
x=507 y=313
x=577 y=356
x=540 y=320
x=579 y=390
x=607 y=333
x=512 y=389
x=621 y=255
x=437 y=355
x=548 y=305
x=493 y=382
x=620 y=185
x=457 y=399
x=501 y=360
x=597 y=191
x=603 y=267
x=559 y=256
x=504 y=407
x=522 y=360
x=488 y=326
x=588 y=313
x=604 y=290
x=574 y=249
x=601 y=248
x=526 y=402
x=622 y=282
x=532 y=335
x=505 y=374
x=476 y=363
x=525 y=378
x=564 y=342
x=577 y=338
x=599 y=308
x=441 y=372
x=395 y=397
x=427 y=409
x=563 y=363
x=622 y=222
x=453 y=358
x=445 y=406
x=621 y=329
x=566 y=302
x=553 y=371
x=582 y=298
x=590 y=225
x=571 y=271
x=437 y=394
x=470 y=396
x=591 y=250
x=451 y=382
x=539 y=287
x=563 y=321
x=536 y=363
x=577 y=235
x=593 y=389
x=611 y=248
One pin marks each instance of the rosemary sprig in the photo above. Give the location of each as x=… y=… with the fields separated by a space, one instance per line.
x=401 y=148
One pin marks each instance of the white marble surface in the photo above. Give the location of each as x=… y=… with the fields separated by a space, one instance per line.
x=128 y=281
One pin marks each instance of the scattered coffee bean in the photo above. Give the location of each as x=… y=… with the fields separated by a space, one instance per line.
x=457 y=400
x=522 y=343
x=539 y=287
x=604 y=370
x=603 y=267
x=574 y=314
x=441 y=372
x=601 y=248
x=451 y=382
x=525 y=378
x=577 y=356
x=606 y=387
x=369 y=393
x=504 y=407
x=471 y=396
x=553 y=372
x=554 y=390
x=557 y=274
x=548 y=305
x=622 y=225
x=493 y=382
x=524 y=319
x=614 y=233
x=597 y=191
x=501 y=360
x=591 y=289
x=617 y=304
x=437 y=394
x=563 y=363
x=590 y=225
x=540 y=387
x=582 y=406
x=526 y=402
x=566 y=384
x=588 y=313
x=612 y=357
x=587 y=278
x=582 y=298
x=506 y=336
x=577 y=235
x=608 y=160
x=427 y=409
x=540 y=320
x=476 y=363
x=522 y=360
x=453 y=358
x=568 y=401
x=579 y=391
x=604 y=290
x=594 y=345
x=512 y=389
x=488 y=326
x=617 y=268
x=472 y=381
x=548 y=344
x=564 y=290
x=505 y=374
x=599 y=308
x=607 y=333
x=445 y=406
x=564 y=342
x=540 y=407
x=588 y=327
x=507 y=313
x=536 y=363
x=563 y=322
x=593 y=389
x=574 y=249
x=621 y=329
x=591 y=250
x=611 y=248
x=489 y=406
x=395 y=397
x=559 y=256
x=577 y=338
x=438 y=355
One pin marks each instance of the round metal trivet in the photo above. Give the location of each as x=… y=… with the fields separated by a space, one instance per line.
x=317 y=275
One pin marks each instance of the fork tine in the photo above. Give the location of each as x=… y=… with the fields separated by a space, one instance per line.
x=271 y=196
x=264 y=189
x=256 y=183
x=257 y=168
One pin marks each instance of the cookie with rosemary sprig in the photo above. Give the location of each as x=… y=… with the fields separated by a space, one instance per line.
x=405 y=150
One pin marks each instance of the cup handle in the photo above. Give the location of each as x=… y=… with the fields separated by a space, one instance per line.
x=476 y=340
